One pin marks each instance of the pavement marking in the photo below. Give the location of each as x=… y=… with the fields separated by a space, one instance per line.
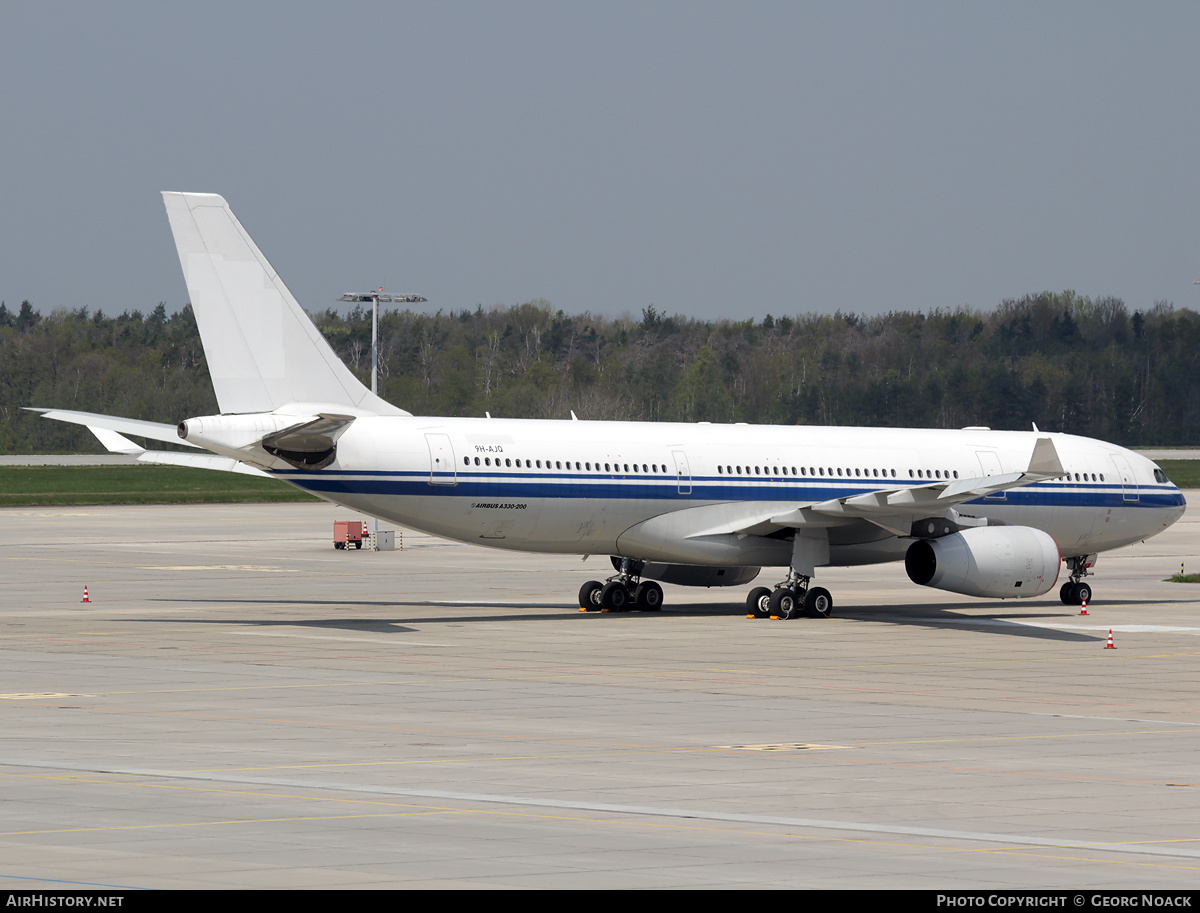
x=1168 y=848
x=391 y=641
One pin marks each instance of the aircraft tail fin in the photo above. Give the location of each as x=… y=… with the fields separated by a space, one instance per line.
x=263 y=352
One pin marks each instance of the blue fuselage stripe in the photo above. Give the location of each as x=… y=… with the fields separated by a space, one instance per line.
x=667 y=488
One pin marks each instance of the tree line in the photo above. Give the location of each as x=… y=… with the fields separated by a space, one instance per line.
x=1067 y=362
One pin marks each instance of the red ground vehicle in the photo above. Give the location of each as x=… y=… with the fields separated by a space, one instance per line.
x=348 y=532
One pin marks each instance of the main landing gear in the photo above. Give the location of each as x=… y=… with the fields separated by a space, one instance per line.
x=623 y=592
x=1075 y=591
x=790 y=598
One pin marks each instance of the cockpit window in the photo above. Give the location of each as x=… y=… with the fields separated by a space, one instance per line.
x=1160 y=476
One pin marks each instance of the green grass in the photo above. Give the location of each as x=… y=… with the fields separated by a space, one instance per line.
x=1184 y=473
x=24 y=486
x=1184 y=578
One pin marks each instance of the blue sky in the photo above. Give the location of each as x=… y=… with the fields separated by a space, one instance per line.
x=714 y=160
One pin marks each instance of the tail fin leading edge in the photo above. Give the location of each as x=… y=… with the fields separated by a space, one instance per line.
x=263 y=352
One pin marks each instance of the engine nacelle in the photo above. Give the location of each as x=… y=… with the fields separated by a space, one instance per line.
x=992 y=561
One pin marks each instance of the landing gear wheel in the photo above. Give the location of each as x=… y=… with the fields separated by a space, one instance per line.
x=589 y=595
x=648 y=597
x=1075 y=593
x=615 y=597
x=757 y=603
x=818 y=603
x=784 y=603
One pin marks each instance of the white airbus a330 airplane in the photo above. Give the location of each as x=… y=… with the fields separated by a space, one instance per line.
x=973 y=511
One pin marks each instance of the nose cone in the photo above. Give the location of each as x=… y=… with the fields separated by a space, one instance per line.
x=1173 y=509
x=1180 y=507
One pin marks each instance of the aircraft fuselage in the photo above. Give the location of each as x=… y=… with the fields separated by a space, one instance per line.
x=581 y=487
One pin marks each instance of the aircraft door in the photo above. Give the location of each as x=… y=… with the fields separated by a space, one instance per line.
x=682 y=473
x=442 y=468
x=1129 y=487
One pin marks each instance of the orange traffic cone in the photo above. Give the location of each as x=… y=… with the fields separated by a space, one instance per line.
x=1110 y=645
x=1083 y=609
x=85 y=595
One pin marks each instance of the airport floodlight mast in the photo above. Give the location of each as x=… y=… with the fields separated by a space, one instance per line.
x=375 y=298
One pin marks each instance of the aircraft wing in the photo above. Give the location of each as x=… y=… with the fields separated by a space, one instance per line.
x=896 y=509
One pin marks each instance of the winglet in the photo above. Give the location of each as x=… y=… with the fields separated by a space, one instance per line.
x=1045 y=461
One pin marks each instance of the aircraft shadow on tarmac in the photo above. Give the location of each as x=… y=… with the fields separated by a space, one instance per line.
x=1039 y=626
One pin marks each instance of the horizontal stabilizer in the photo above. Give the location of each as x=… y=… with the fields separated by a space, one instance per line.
x=155 y=431
x=200 y=461
x=116 y=443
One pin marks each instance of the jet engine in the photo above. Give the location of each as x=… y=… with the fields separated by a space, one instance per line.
x=990 y=561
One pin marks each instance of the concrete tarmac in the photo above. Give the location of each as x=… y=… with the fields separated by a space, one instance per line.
x=241 y=706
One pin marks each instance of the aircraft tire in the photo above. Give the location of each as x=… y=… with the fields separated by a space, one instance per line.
x=1066 y=594
x=784 y=603
x=1083 y=593
x=615 y=597
x=648 y=597
x=818 y=603
x=589 y=595
x=757 y=602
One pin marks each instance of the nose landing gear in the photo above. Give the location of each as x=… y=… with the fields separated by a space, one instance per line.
x=1075 y=591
